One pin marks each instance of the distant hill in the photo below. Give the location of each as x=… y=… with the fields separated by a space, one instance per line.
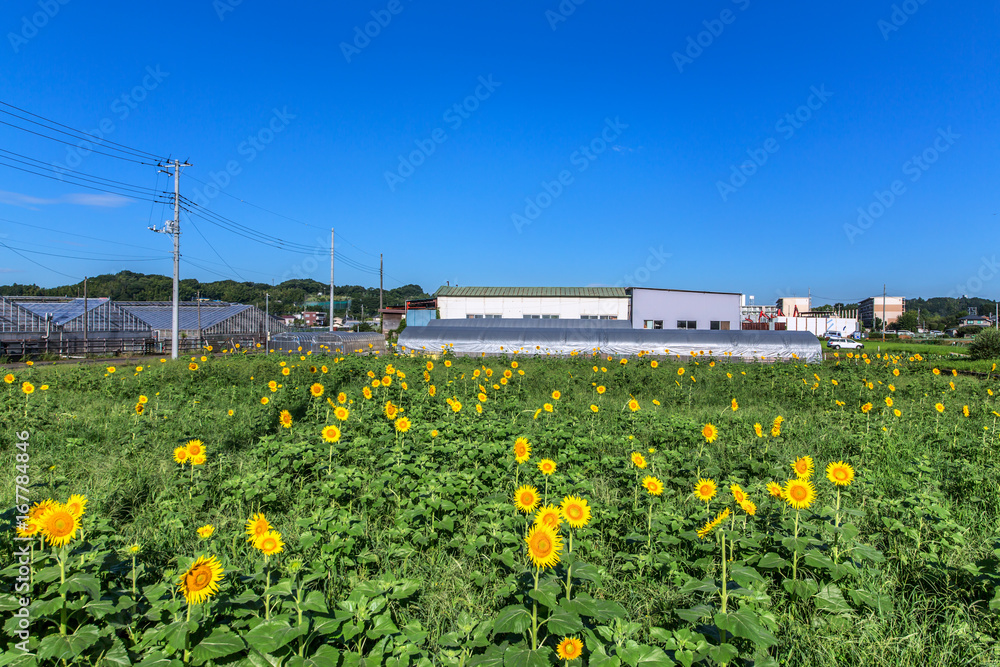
x=286 y=297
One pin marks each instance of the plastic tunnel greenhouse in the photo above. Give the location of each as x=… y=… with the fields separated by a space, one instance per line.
x=531 y=339
x=317 y=342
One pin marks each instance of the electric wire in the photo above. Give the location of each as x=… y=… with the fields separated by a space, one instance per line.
x=82 y=185
x=100 y=180
x=86 y=134
x=36 y=263
x=92 y=150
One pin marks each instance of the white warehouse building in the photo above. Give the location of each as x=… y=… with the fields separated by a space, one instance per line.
x=565 y=303
x=654 y=308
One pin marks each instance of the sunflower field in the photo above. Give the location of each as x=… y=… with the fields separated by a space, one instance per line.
x=299 y=510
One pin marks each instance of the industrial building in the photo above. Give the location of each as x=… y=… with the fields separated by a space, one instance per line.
x=682 y=309
x=573 y=303
x=63 y=325
x=886 y=308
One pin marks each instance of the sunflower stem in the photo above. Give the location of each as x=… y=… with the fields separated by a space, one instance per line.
x=569 y=568
x=534 y=615
x=133 y=576
x=267 y=597
x=725 y=594
x=187 y=637
x=62 y=580
x=795 y=556
x=836 y=526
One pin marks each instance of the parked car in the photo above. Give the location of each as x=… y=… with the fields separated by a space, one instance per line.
x=838 y=343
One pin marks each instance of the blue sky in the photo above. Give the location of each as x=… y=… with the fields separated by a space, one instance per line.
x=727 y=146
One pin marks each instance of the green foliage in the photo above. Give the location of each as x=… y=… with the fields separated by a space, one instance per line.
x=986 y=345
x=405 y=549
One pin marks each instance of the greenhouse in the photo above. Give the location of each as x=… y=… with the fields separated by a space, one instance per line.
x=317 y=342
x=463 y=339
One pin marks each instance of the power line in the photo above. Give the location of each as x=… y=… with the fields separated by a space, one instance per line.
x=280 y=215
x=81 y=185
x=38 y=164
x=214 y=250
x=91 y=150
x=123 y=149
x=36 y=263
x=83 y=236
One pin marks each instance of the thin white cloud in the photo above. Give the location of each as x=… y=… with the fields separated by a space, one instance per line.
x=75 y=199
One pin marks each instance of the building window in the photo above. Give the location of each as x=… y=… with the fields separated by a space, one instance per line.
x=588 y=317
x=657 y=324
x=475 y=317
x=550 y=317
x=532 y=317
x=609 y=317
x=647 y=324
x=719 y=325
x=493 y=317
x=687 y=324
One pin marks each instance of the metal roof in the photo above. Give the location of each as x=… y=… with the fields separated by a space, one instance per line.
x=516 y=323
x=160 y=315
x=62 y=311
x=599 y=292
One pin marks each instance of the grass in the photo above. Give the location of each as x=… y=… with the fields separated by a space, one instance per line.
x=436 y=511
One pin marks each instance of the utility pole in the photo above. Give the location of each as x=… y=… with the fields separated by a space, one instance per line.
x=267 y=316
x=85 y=316
x=331 y=279
x=883 y=312
x=174 y=227
x=380 y=306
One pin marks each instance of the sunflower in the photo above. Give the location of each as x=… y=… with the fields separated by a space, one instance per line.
x=139 y=408
x=799 y=493
x=272 y=385
x=638 y=460
x=758 y=430
x=198 y=460
x=29 y=528
x=482 y=397
x=547 y=407
x=456 y=406
x=522 y=450
x=58 y=524
x=195 y=447
x=201 y=581
x=936 y=372
x=965 y=410
x=633 y=405
x=434 y=433
x=206 y=531
x=549 y=516
x=264 y=400
x=547 y=466
x=653 y=364
x=9 y=378
x=709 y=526
x=390 y=411
x=366 y=392
x=866 y=408
x=749 y=507
x=734 y=405
x=341 y=413
x=76 y=505
x=286 y=371
x=331 y=433
x=181 y=455
x=705 y=489
x=269 y=543
x=556 y=395
x=571 y=648
x=256 y=526
x=192 y=366
x=739 y=495
x=316 y=389
x=653 y=485
x=939 y=407
x=680 y=371
x=594 y=408
x=27 y=388
x=285 y=418
x=386 y=381
x=544 y=546
x=402 y=424
x=803 y=467
x=526 y=499
x=775 y=489
x=111 y=369
x=888 y=401
x=840 y=473
x=576 y=510
x=710 y=432
x=601 y=389
x=775 y=431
